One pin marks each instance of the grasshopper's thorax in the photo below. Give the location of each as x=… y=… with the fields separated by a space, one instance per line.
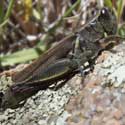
x=90 y=35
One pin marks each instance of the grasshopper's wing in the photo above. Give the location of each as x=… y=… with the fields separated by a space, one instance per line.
x=57 y=52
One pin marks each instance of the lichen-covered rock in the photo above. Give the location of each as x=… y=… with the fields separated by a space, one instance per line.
x=113 y=68
x=102 y=100
x=44 y=107
x=5 y=82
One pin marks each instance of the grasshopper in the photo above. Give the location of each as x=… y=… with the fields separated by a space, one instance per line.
x=54 y=65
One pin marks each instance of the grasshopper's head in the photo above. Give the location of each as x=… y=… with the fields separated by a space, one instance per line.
x=108 y=21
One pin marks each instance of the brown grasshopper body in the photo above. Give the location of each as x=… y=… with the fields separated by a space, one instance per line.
x=45 y=59
x=48 y=69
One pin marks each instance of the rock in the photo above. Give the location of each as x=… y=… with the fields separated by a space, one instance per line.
x=117 y=114
x=42 y=122
x=41 y=106
x=113 y=122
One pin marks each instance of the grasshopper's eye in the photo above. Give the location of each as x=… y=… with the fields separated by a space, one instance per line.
x=105 y=13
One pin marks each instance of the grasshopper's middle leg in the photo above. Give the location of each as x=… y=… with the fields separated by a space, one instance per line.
x=81 y=55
